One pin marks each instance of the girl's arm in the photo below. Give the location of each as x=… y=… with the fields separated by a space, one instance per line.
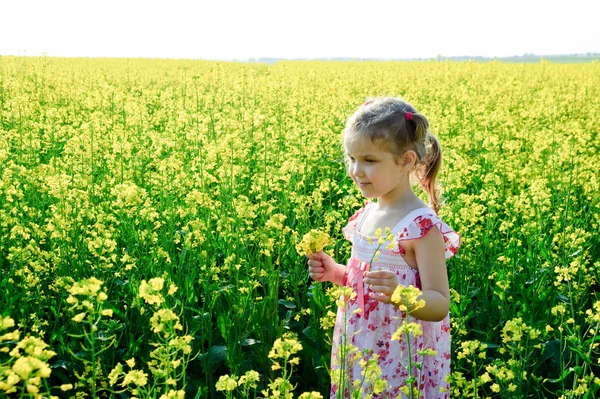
x=429 y=253
x=322 y=267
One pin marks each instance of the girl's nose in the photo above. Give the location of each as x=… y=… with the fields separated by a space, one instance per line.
x=356 y=169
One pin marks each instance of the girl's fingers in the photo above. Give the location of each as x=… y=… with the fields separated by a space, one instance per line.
x=381 y=289
x=316 y=276
x=316 y=255
x=381 y=281
x=380 y=297
x=385 y=274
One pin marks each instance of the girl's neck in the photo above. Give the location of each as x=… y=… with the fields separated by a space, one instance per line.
x=401 y=199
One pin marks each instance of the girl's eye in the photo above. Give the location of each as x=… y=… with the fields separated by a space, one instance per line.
x=369 y=160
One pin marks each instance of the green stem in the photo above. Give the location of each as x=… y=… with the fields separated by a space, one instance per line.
x=92 y=342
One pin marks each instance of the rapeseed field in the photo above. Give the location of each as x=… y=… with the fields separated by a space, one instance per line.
x=150 y=212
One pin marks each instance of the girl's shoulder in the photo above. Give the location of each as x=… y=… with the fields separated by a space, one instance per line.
x=420 y=222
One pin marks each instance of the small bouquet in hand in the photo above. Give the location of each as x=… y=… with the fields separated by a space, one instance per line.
x=313 y=241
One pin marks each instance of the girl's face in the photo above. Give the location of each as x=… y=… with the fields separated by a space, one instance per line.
x=377 y=172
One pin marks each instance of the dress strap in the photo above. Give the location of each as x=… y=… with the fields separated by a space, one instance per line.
x=363 y=216
x=350 y=229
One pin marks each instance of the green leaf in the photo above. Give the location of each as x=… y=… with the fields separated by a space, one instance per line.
x=223 y=323
x=213 y=358
x=308 y=332
x=250 y=342
x=536 y=276
x=286 y=303
x=552 y=351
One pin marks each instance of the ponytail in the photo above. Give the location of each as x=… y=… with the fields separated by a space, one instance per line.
x=432 y=163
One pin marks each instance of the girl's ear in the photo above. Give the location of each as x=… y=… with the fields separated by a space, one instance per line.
x=408 y=160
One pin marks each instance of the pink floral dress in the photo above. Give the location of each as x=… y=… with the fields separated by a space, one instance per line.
x=372 y=327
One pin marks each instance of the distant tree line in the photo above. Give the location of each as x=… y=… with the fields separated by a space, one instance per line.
x=525 y=58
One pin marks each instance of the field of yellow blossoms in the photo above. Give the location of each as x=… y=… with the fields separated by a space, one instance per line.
x=150 y=212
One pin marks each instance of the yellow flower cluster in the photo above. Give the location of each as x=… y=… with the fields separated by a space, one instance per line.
x=246 y=382
x=407 y=298
x=92 y=301
x=371 y=372
x=27 y=366
x=313 y=241
x=150 y=291
x=594 y=315
x=407 y=329
x=226 y=383
x=162 y=318
x=284 y=349
x=514 y=330
x=471 y=348
x=173 y=394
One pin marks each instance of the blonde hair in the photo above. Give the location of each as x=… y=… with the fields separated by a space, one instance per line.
x=385 y=120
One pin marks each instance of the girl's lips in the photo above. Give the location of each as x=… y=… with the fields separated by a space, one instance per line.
x=363 y=184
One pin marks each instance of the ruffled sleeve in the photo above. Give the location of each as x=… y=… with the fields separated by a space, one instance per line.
x=350 y=228
x=421 y=225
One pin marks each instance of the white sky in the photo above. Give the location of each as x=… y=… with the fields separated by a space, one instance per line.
x=227 y=29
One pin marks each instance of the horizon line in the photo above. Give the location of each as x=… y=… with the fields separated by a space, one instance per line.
x=254 y=59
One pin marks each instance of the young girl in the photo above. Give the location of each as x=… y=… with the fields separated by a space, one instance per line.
x=384 y=141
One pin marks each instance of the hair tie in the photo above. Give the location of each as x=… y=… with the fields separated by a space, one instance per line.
x=409 y=116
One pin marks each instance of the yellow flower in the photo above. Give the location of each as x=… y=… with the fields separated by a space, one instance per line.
x=66 y=387
x=313 y=241
x=294 y=360
x=558 y=309
x=107 y=312
x=485 y=378
x=72 y=300
x=413 y=329
x=6 y=322
x=284 y=348
x=250 y=378
x=86 y=287
x=407 y=298
x=163 y=317
x=311 y=395
x=138 y=377
x=32 y=388
x=79 y=317
x=226 y=383
x=149 y=291
x=115 y=374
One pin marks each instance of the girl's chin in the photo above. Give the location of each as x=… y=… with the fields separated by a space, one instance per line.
x=366 y=194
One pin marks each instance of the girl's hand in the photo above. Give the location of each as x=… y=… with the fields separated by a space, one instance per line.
x=382 y=284
x=322 y=267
